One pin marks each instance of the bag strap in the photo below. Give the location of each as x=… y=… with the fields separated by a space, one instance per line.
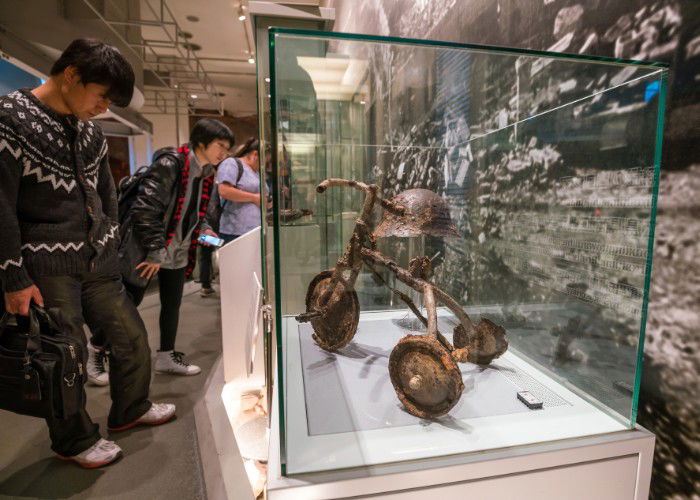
x=240 y=171
x=223 y=201
x=34 y=337
x=37 y=314
x=44 y=316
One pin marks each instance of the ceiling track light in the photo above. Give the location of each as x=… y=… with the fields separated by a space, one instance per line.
x=241 y=14
x=251 y=60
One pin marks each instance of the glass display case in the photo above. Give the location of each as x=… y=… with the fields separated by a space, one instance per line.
x=459 y=248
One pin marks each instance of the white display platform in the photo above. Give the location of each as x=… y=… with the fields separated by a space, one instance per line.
x=612 y=466
x=341 y=410
x=222 y=465
x=240 y=275
x=609 y=467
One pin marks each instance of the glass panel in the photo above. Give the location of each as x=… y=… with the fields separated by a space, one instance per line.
x=550 y=192
x=269 y=270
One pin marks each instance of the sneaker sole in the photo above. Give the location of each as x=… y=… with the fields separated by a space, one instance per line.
x=140 y=422
x=173 y=372
x=98 y=384
x=92 y=465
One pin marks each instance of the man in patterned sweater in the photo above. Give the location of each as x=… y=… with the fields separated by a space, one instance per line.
x=58 y=208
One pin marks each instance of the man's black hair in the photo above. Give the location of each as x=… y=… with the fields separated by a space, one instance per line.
x=207 y=130
x=97 y=62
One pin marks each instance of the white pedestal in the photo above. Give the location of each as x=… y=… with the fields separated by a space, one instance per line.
x=240 y=271
x=337 y=447
x=612 y=466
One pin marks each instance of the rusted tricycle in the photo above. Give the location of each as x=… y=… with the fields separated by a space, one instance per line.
x=423 y=367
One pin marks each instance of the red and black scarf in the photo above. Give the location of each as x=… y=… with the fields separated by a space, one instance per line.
x=207 y=184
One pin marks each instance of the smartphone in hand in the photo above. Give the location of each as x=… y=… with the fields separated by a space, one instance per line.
x=212 y=240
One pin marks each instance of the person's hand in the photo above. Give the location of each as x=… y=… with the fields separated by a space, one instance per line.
x=256 y=200
x=210 y=233
x=18 y=302
x=148 y=269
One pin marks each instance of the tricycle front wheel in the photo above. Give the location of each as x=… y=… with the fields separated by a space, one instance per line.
x=336 y=327
x=425 y=376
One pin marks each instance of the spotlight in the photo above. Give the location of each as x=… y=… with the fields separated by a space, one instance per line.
x=251 y=60
x=193 y=96
x=241 y=14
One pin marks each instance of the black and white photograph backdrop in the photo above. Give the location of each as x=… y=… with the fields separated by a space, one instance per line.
x=665 y=31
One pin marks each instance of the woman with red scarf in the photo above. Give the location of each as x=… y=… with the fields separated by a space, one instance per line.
x=167 y=217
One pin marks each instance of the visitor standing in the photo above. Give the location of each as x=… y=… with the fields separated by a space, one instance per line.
x=238 y=180
x=168 y=216
x=58 y=208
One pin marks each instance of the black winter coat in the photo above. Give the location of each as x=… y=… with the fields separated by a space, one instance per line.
x=145 y=223
x=154 y=206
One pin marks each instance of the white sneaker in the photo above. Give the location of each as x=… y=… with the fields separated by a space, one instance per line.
x=97 y=369
x=207 y=292
x=157 y=414
x=101 y=453
x=173 y=362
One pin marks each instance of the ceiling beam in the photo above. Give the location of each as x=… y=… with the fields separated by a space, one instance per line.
x=173 y=43
x=140 y=22
x=225 y=59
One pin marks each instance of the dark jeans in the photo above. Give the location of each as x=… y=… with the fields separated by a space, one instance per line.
x=205 y=265
x=171 y=283
x=100 y=300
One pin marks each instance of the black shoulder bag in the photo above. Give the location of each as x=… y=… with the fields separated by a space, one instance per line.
x=41 y=371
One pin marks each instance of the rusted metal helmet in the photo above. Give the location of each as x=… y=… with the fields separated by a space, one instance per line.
x=425 y=213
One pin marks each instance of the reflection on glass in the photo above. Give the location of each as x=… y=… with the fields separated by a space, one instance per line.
x=548 y=166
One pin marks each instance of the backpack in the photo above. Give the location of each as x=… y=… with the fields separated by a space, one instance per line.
x=217 y=203
x=127 y=190
x=129 y=251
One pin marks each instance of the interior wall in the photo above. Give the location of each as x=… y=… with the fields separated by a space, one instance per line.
x=118 y=148
x=142 y=150
x=662 y=30
x=165 y=130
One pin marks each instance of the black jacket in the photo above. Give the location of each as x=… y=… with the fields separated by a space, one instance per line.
x=145 y=219
x=149 y=217
x=154 y=206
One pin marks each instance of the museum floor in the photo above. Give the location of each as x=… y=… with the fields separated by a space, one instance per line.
x=159 y=462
